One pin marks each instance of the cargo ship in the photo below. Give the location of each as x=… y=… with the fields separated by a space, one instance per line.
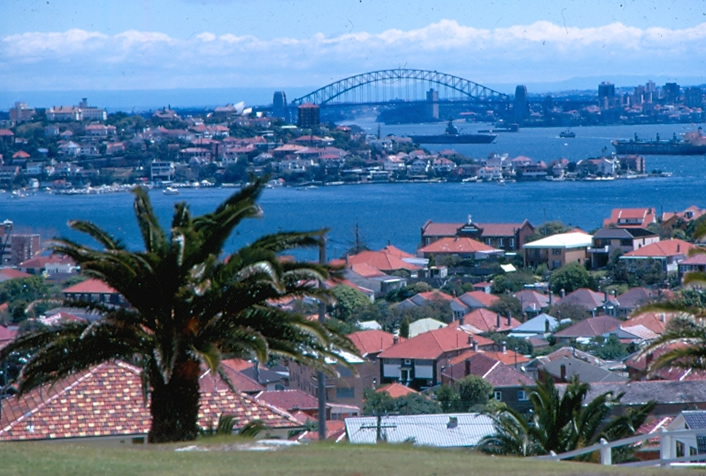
x=692 y=143
x=452 y=136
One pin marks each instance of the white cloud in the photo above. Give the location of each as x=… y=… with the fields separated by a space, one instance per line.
x=539 y=51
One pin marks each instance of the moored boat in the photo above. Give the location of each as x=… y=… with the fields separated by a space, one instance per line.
x=171 y=191
x=453 y=136
x=692 y=143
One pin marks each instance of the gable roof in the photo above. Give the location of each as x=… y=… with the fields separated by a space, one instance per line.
x=90 y=286
x=591 y=327
x=12 y=273
x=532 y=300
x=433 y=344
x=588 y=299
x=372 y=342
x=641 y=217
x=396 y=390
x=487 y=321
x=501 y=229
x=634 y=298
x=653 y=320
x=290 y=399
x=440 y=229
x=661 y=249
x=539 y=324
x=456 y=245
x=381 y=260
x=475 y=299
x=586 y=372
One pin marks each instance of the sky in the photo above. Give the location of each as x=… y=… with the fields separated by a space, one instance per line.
x=91 y=45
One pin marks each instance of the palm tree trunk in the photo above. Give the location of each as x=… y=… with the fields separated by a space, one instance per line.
x=174 y=405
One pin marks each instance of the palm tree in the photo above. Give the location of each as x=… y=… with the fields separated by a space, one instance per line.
x=561 y=422
x=187 y=307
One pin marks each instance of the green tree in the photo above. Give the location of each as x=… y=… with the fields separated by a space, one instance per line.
x=469 y=394
x=404 y=327
x=570 y=277
x=561 y=422
x=188 y=307
x=348 y=300
x=547 y=229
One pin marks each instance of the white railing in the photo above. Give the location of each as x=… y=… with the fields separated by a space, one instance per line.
x=667 y=449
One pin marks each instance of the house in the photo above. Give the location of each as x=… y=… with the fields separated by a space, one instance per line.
x=608 y=241
x=564 y=369
x=345 y=390
x=533 y=302
x=478 y=299
x=692 y=264
x=461 y=247
x=487 y=321
x=371 y=342
x=588 y=329
x=509 y=383
x=425 y=324
x=369 y=277
x=431 y=297
x=631 y=217
x=682 y=219
x=692 y=444
x=93 y=290
x=396 y=390
x=53 y=265
x=633 y=299
x=540 y=325
x=106 y=401
x=444 y=430
x=669 y=253
x=558 y=250
x=592 y=301
x=292 y=400
x=505 y=236
x=417 y=362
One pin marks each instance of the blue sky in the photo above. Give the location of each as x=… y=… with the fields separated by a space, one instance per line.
x=158 y=44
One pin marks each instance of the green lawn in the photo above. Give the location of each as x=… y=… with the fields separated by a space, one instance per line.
x=311 y=460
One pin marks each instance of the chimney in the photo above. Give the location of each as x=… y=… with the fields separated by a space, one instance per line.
x=661 y=316
x=497 y=321
x=474 y=343
x=395 y=339
x=468 y=368
x=504 y=347
x=256 y=368
x=563 y=293
x=461 y=321
x=678 y=247
x=605 y=296
x=563 y=372
x=509 y=320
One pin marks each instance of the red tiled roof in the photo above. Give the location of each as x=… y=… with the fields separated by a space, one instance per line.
x=396 y=390
x=508 y=357
x=107 y=400
x=42 y=261
x=499 y=229
x=440 y=229
x=372 y=341
x=11 y=273
x=380 y=260
x=365 y=270
x=433 y=344
x=93 y=286
x=394 y=251
x=487 y=321
x=289 y=400
x=481 y=297
x=455 y=245
x=646 y=215
x=654 y=321
x=6 y=132
x=662 y=249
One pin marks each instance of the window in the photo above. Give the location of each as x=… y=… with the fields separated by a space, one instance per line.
x=407 y=361
x=501 y=242
x=488 y=241
x=522 y=396
x=498 y=395
x=556 y=251
x=512 y=243
x=345 y=392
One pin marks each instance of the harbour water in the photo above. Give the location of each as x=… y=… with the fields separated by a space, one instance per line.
x=394 y=213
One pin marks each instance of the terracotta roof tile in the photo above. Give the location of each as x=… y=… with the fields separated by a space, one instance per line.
x=662 y=249
x=290 y=400
x=487 y=321
x=90 y=286
x=396 y=390
x=456 y=245
x=372 y=342
x=433 y=344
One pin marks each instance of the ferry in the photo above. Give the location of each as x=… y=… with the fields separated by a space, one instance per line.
x=171 y=191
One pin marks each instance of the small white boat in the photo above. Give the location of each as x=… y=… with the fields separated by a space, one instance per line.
x=171 y=191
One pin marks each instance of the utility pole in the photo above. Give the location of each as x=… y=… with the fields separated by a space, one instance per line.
x=322 y=376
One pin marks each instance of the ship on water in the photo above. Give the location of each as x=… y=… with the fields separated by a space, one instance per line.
x=453 y=136
x=692 y=143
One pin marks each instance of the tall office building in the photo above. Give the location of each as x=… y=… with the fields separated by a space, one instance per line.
x=309 y=116
x=521 y=105
x=279 y=105
x=693 y=97
x=606 y=95
x=432 y=104
x=671 y=91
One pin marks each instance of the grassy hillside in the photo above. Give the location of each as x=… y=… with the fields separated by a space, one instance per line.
x=310 y=460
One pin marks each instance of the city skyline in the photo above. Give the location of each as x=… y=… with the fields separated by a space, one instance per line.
x=158 y=44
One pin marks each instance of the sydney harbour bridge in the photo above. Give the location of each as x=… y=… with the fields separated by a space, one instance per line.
x=430 y=93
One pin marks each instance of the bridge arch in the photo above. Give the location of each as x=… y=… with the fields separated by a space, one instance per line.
x=339 y=89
